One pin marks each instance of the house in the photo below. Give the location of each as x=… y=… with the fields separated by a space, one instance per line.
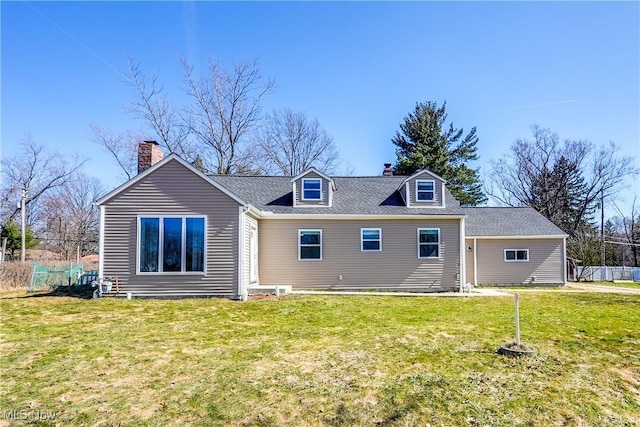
x=174 y=231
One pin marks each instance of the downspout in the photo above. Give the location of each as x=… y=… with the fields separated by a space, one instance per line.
x=564 y=259
x=463 y=263
x=101 y=243
x=475 y=262
x=242 y=294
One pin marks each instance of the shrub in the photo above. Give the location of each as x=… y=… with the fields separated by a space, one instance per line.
x=15 y=275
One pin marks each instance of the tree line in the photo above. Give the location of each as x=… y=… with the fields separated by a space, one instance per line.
x=222 y=129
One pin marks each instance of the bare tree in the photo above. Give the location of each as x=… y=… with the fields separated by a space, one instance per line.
x=226 y=108
x=72 y=220
x=151 y=105
x=563 y=181
x=566 y=182
x=123 y=147
x=38 y=172
x=627 y=237
x=211 y=131
x=291 y=143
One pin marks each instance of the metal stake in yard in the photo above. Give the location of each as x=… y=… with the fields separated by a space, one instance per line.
x=23 y=225
x=517 y=349
x=517 y=321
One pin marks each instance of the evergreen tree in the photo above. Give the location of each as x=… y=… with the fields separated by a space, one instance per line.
x=11 y=232
x=556 y=190
x=426 y=142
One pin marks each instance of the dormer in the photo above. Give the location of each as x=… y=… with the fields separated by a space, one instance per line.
x=312 y=188
x=424 y=189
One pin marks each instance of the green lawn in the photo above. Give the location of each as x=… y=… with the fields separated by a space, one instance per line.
x=631 y=285
x=321 y=360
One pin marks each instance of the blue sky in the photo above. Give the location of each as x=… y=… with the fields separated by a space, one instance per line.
x=359 y=67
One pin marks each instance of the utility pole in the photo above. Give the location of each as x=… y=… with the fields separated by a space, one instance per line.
x=603 y=272
x=23 y=207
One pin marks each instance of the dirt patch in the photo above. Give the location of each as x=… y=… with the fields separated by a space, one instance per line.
x=631 y=378
x=262 y=297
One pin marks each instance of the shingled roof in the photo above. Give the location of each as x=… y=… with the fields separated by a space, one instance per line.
x=366 y=196
x=508 y=222
x=353 y=196
x=379 y=196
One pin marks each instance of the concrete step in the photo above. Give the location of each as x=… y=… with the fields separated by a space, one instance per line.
x=269 y=289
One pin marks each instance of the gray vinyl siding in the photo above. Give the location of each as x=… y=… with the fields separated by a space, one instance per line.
x=396 y=267
x=437 y=197
x=468 y=257
x=325 y=185
x=172 y=190
x=545 y=262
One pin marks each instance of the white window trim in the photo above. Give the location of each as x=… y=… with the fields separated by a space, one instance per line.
x=516 y=255
x=161 y=249
x=300 y=244
x=379 y=239
x=433 y=184
x=439 y=243
x=311 y=199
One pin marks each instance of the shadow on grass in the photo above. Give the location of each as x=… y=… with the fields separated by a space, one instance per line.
x=81 y=292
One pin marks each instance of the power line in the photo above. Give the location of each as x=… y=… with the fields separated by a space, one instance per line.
x=622 y=243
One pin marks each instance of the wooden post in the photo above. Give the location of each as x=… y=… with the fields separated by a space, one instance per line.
x=69 y=282
x=517 y=321
x=4 y=248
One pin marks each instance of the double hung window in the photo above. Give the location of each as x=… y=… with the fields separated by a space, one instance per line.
x=371 y=239
x=310 y=244
x=425 y=190
x=311 y=189
x=428 y=242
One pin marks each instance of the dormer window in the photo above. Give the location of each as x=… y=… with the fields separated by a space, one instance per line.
x=311 y=189
x=425 y=190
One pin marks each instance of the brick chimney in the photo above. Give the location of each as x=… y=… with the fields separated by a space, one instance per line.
x=149 y=153
x=387 y=170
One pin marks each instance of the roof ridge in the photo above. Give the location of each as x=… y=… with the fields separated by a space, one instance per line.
x=498 y=207
x=289 y=177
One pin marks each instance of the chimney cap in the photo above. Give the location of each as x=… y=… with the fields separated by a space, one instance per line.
x=151 y=142
x=387 y=165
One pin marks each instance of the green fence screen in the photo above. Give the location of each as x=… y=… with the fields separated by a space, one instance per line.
x=44 y=278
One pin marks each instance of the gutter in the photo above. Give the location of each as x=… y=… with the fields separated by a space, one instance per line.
x=538 y=236
x=270 y=215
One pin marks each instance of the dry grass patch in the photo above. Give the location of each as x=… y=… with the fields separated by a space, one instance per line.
x=15 y=276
